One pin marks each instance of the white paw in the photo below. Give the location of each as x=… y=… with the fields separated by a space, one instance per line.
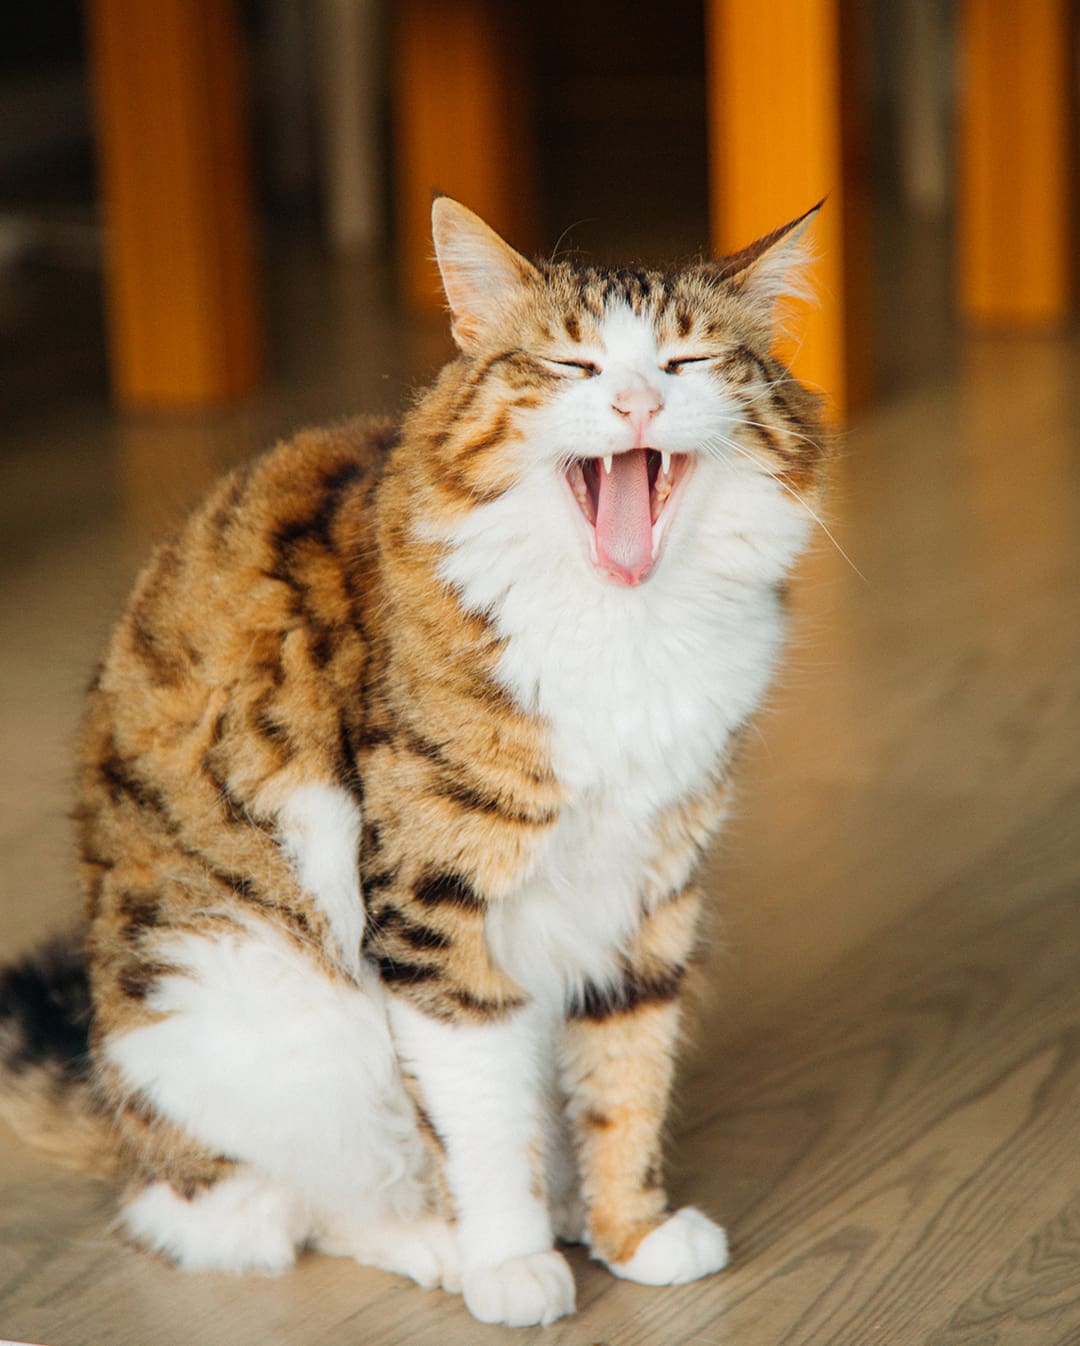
x=243 y=1223
x=683 y=1248
x=522 y=1292
x=429 y=1257
x=423 y=1250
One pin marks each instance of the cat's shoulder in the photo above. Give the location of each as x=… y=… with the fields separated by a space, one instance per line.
x=314 y=467
x=270 y=545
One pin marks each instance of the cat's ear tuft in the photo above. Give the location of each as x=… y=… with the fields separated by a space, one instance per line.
x=481 y=274
x=774 y=267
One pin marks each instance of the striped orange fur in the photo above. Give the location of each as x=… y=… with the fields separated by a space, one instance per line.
x=346 y=634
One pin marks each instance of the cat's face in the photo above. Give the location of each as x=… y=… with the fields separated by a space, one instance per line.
x=604 y=398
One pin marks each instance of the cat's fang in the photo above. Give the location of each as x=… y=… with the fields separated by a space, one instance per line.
x=579 y=487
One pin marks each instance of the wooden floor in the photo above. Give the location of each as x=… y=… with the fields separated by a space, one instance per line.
x=883 y=1100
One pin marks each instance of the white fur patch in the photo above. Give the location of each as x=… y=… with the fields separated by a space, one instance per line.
x=485 y=1088
x=320 y=827
x=261 y=1057
x=522 y=1292
x=243 y=1223
x=684 y=1248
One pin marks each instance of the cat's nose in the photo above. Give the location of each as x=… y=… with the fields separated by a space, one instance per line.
x=638 y=402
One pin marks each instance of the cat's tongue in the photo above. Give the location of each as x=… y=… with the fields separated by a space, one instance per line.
x=624 y=519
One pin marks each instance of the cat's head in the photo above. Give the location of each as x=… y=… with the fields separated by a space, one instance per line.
x=601 y=402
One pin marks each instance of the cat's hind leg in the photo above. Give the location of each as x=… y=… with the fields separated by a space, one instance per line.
x=249 y=1049
x=242 y=1223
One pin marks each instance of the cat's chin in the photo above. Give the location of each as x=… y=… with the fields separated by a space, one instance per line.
x=625 y=503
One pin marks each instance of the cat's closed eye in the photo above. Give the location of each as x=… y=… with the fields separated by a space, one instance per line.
x=677 y=365
x=581 y=368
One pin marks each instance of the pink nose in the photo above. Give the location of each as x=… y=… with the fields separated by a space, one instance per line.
x=639 y=403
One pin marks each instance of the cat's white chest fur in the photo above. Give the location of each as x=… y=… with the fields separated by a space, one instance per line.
x=641 y=690
x=639 y=717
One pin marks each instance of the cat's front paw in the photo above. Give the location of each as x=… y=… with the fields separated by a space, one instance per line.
x=523 y=1292
x=686 y=1246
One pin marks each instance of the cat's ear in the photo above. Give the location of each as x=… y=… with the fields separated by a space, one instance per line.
x=774 y=267
x=481 y=274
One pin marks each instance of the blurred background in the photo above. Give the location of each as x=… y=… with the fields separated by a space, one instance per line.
x=213 y=230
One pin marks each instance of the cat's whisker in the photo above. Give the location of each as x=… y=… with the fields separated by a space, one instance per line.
x=784 y=485
x=593 y=219
x=785 y=430
x=818 y=388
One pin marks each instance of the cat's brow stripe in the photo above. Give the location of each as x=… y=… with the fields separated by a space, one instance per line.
x=474 y=386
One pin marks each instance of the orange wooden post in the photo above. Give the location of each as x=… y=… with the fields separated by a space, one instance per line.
x=1014 y=244
x=784 y=128
x=184 y=322
x=462 y=120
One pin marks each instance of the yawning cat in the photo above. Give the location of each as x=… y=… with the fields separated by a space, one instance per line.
x=393 y=784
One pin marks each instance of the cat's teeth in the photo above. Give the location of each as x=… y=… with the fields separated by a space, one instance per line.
x=607 y=463
x=665 y=461
x=659 y=497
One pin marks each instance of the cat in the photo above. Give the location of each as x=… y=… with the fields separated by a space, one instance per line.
x=392 y=787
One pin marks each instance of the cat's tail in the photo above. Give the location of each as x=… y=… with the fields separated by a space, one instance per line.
x=46 y=1094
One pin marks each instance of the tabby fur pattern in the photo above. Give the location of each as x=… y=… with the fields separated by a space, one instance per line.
x=394 y=780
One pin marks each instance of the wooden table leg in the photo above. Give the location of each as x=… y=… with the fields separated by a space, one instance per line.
x=1015 y=250
x=184 y=322
x=783 y=122
x=462 y=120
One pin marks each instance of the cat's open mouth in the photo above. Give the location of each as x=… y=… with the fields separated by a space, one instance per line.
x=624 y=499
